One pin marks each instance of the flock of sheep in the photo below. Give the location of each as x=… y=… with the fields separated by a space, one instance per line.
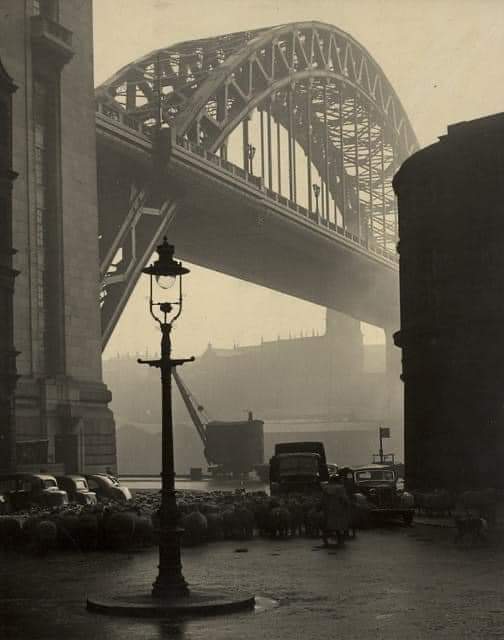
x=204 y=517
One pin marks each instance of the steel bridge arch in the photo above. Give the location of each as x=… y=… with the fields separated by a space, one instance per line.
x=276 y=86
x=195 y=70
x=314 y=80
x=204 y=89
x=378 y=91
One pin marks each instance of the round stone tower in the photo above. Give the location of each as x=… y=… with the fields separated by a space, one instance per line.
x=451 y=229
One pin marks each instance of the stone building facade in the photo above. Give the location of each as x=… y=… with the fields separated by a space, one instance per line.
x=451 y=228
x=8 y=375
x=63 y=419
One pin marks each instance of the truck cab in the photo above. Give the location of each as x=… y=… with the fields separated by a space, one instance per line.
x=298 y=467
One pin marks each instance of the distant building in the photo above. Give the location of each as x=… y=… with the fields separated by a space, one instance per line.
x=317 y=376
x=62 y=415
x=451 y=227
x=330 y=387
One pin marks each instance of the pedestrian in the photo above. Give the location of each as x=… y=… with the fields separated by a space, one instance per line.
x=336 y=510
x=348 y=480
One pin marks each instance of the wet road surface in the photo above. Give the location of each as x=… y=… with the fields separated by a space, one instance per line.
x=388 y=583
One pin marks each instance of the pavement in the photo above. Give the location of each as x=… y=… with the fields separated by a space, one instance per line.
x=449 y=523
x=441 y=521
x=391 y=582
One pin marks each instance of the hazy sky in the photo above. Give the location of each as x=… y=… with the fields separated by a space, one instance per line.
x=443 y=57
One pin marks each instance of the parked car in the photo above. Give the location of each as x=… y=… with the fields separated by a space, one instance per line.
x=4 y=504
x=332 y=469
x=77 y=489
x=378 y=483
x=24 y=490
x=108 y=487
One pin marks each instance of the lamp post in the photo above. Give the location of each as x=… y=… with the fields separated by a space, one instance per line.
x=170 y=595
x=250 y=155
x=316 y=193
x=163 y=274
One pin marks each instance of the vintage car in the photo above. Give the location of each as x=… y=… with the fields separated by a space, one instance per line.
x=77 y=489
x=378 y=483
x=4 y=505
x=108 y=487
x=23 y=490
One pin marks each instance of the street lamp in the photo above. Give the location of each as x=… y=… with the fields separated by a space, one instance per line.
x=316 y=193
x=163 y=274
x=250 y=155
x=170 y=595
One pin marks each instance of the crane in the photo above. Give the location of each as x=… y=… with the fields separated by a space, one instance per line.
x=197 y=411
x=229 y=447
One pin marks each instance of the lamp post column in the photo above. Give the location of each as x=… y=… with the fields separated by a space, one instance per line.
x=170 y=581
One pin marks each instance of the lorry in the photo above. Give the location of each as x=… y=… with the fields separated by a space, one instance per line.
x=298 y=467
x=231 y=448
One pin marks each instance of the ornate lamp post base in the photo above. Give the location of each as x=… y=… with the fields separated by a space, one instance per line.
x=170 y=582
x=197 y=603
x=177 y=588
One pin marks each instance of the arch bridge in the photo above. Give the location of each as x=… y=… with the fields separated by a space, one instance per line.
x=268 y=154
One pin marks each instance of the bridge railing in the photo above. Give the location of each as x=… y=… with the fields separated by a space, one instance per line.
x=113 y=113
x=222 y=163
x=367 y=243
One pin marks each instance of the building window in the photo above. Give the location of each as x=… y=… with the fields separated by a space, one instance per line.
x=47 y=9
x=40 y=227
x=40 y=113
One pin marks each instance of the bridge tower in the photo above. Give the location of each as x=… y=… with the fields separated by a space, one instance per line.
x=344 y=339
x=62 y=417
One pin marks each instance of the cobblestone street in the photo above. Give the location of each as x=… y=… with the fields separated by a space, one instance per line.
x=388 y=583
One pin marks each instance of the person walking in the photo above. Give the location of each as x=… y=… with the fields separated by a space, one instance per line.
x=336 y=510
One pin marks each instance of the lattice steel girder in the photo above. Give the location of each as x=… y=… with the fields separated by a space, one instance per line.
x=205 y=88
x=194 y=76
x=142 y=233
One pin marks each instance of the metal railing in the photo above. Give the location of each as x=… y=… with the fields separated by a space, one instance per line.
x=121 y=117
x=129 y=122
x=257 y=181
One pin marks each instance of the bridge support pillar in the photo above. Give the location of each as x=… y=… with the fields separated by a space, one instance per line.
x=346 y=363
